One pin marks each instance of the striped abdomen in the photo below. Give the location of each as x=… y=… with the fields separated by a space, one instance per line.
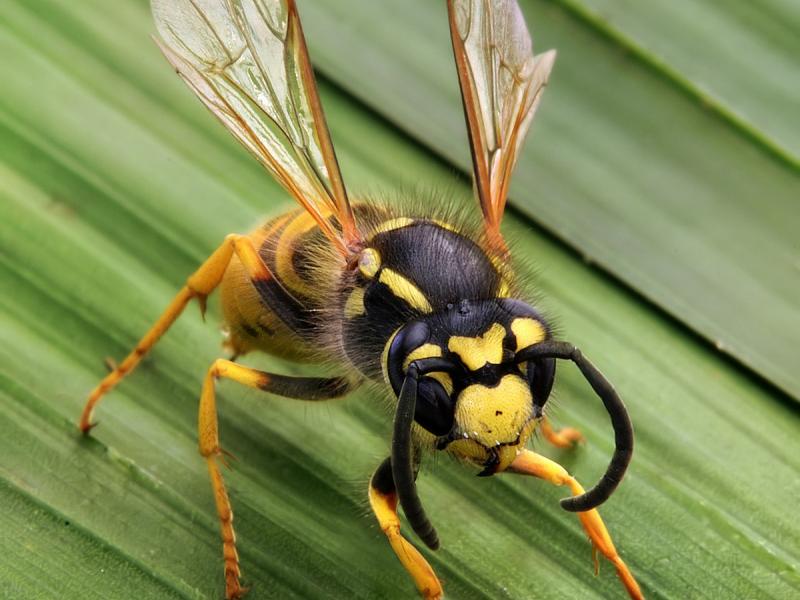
x=280 y=319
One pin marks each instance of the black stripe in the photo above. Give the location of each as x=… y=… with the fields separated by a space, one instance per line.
x=307 y=388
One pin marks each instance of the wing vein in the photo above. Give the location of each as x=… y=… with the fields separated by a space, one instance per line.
x=247 y=61
x=501 y=81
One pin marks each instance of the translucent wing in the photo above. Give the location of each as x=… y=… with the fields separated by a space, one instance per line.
x=247 y=61
x=501 y=85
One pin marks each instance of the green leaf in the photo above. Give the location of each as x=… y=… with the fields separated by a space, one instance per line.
x=115 y=184
x=713 y=50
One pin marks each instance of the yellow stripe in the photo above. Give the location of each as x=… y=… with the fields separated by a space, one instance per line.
x=285 y=250
x=504 y=271
x=393 y=224
x=404 y=288
x=430 y=351
x=424 y=351
x=385 y=357
x=444 y=225
x=477 y=351
x=527 y=331
x=270 y=228
x=503 y=289
x=354 y=306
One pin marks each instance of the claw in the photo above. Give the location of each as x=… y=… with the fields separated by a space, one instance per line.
x=226 y=458
x=86 y=428
x=202 y=301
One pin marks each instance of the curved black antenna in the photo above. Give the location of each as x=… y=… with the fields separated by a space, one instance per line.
x=403 y=467
x=623 y=429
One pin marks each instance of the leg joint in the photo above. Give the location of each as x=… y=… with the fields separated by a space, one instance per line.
x=218 y=368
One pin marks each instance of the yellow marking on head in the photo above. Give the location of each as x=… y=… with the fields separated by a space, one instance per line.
x=495 y=414
x=284 y=252
x=475 y=452
x=424 y=351
x=477 y=351
x=444 y=379
x=385 y=357
x=430 y=351
x=469 y=450
x=369 y=262
x=354 y=306
x=527 y=331
x=404 y=288
x=494 y=417
x=393 y=224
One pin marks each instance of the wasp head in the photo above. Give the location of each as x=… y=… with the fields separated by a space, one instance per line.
x=474 y=396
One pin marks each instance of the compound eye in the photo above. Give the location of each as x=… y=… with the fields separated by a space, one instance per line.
x=541 y=374
x=435 y=409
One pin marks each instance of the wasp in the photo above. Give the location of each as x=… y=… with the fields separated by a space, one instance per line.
x=423 y=303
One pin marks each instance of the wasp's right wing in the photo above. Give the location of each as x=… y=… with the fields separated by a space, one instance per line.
x=247 y=61
x=501 y=85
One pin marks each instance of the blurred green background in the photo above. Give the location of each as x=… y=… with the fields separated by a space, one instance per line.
x=657 y=198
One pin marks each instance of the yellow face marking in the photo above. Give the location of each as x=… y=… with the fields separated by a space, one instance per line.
x=354 y=307
x=424 y=351
x=475 y=352
x=430 y=351
x=494 y=417
x=393 y=224
x=385 y=357
x=404 y=288
x=527 y=331
x=369 y=262
x=444 y=379
x=302 y=223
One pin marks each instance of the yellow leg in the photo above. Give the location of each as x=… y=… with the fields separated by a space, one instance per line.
x=306 y=388
x=208 y=434
x=565 y=437
x=383 y=500
x=199 y=285
x=530 y=463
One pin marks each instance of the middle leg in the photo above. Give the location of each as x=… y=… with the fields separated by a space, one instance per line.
x=565 y=437
x=301 y=388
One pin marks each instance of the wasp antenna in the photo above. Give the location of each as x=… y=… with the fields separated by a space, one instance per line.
x=623 y=429
x=403 y=458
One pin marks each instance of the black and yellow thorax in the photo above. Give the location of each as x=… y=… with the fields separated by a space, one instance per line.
x=411 y=268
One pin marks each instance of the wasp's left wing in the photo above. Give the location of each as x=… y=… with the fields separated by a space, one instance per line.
x=501 y=85
x=247 y=61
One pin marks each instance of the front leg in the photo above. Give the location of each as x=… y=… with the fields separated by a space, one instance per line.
x=530 y=463
x=383 y=500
